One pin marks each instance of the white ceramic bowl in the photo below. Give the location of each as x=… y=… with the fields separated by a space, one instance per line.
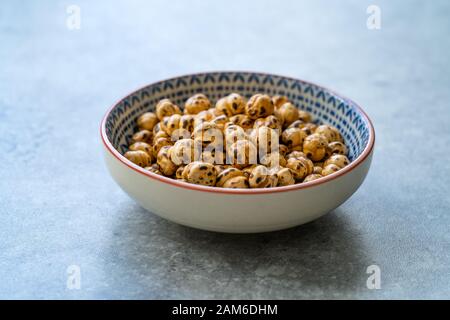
x=238 y=210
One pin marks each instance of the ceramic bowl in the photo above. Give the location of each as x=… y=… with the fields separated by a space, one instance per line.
x=238 y=210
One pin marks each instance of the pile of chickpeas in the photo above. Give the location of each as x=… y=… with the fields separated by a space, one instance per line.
x=177 y=143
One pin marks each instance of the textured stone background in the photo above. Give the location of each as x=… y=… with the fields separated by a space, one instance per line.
x=58 y=205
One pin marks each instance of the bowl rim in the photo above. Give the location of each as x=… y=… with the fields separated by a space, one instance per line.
x=185 y=185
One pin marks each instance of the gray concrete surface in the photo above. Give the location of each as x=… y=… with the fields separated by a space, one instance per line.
x=59 y=207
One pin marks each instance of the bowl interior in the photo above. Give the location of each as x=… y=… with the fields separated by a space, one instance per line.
x=325 y=106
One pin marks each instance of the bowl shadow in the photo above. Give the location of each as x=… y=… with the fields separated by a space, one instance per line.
x=322 y=259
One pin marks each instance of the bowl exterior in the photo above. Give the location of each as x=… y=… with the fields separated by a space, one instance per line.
x=236 y=213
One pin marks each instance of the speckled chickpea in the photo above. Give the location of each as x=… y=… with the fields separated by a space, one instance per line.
x=283 y=149
x=265 y=139
x=170 y=124
x=337 y=147
x=306 y=127
x=231 y=105
x=139 y=157
x=271 y=122
x=159 y=143
x=293 y=137
x=179 y=173
x=165 y=108
x=241 y=120
x=243 y=153
x=207 y=133
x=315 y=146
x=166 y=165
x=147 y=121
x=337 y=159
x=182 y=151
x=196 y=104
x=300 y=167
x=329 y=169
x=278 y=101
x=233 y=134
x=259 y=106
x=313 y=176
x=200 y=173
x=274 y=159
x=228 y=179
x=260 y=177
x=161 y=134
x=220 y=121
x=142 y=136
x=154 y=168
x=203 y=116
x=222 y=167
x=143 y=147
x=285 y=177
x=304 y=116
x=331 y=133
x=317 y=170
x=296 y=154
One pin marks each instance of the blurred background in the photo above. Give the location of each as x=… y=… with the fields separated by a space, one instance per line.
x=59 y=208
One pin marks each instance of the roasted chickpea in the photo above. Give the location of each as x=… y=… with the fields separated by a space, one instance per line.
x=285 y=177
x=241 y=120
x=147 y=121
x=159 y=143
x=196 y=104
x=261 y=177
x=170 y=124
x=293 y=137
x=315 y=146
x=183 y=151
x=203 y=116
x=165 y=108
x=300 y=167
x=231 y=105
x=243 y=153
x=227 y=178
x=265 y=139
x=337 y=147
x=271 y=122
x=329 y=169
x=296 y=154
x=304 y=116
x=139 y=157
x=337 y=159
x=200 y=173
x=317 y=170
x=154 y=168
x=208 y=133
x=274 y=159
x=331 y=133
x=220 y=121
x=306 y=127
x=312 y=177
x=288 y=113
x=166 y=166
x=259 y=106
x=143 y=147
x=278 y=101
x=142 y=136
